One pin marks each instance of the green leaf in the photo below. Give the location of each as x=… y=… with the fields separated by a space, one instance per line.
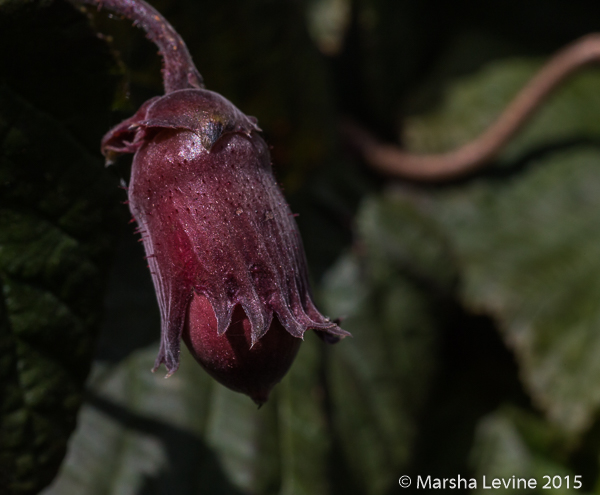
x=530 y=252
x=188 y=433
x=398 y=235
x=379 y=379
x=527 y=241
x=141 y=428
x=516 y=446
x=53 y=247
x=56 y=231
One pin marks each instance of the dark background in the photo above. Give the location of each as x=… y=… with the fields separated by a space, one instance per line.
x=472 y=304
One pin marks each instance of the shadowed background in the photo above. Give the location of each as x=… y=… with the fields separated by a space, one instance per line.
x=474 y=305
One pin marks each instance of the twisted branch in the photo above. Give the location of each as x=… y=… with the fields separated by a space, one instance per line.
x=392 y=160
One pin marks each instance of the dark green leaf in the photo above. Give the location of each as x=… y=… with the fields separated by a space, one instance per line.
x=188 y=433
x=527 y=242
x=379 y=379
x=397 y=234
x=56 y=219
x=515 y=446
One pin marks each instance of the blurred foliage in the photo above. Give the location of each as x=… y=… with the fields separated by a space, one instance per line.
x=474 y=305
x=542 y=289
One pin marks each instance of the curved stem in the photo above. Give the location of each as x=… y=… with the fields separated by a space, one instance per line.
x=179 y=71
x=392 y=160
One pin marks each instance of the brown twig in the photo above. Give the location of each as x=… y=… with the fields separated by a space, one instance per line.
x=392 y=160
x=179 y=71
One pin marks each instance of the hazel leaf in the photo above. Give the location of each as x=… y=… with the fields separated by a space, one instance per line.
x=379 y=378
x=54 y=219
x=516 y=446
x=526 y=240
x=56 y=224
x=188 y=433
